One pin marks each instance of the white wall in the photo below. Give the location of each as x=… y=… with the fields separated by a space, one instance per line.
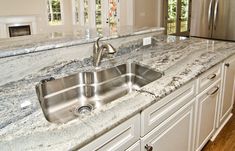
x=148 y=13
x=127 y=12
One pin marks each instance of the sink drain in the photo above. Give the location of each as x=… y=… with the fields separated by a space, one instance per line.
x=81 y=110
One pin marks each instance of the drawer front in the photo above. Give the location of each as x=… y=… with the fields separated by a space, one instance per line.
x=208 y=78
x=161 y=110
x=118 y=139
x=135 y=147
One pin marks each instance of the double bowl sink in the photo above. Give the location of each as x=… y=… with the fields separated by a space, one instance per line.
x=66 y=98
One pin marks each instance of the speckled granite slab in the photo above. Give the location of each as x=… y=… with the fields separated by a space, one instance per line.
x=181 y=59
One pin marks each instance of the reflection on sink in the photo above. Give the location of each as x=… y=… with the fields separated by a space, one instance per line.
x=66 y=98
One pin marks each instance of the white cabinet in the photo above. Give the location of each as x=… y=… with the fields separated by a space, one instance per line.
x=206 y=120
x=134 y=147
x=208 y=78
x=182 y=121
x=160 y=111
x=174 y=134
x=227 y=92
x=117 y=139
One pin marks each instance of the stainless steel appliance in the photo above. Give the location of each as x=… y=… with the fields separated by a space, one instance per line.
x=213 y=19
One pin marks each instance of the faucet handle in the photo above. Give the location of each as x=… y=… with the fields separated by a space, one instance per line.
x=110 y=48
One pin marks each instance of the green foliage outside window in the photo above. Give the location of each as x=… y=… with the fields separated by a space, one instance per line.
x=184 y=9
x=172 y=6
x=172 y=16
x=54 y=12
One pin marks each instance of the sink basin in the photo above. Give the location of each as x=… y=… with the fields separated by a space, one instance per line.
x=66 y=98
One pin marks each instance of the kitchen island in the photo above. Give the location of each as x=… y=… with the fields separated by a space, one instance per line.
x=24 y=127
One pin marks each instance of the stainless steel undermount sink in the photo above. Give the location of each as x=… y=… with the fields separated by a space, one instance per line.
x=66 y=98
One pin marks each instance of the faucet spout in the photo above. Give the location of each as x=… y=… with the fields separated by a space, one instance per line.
x=99 y=50
x=96 y=45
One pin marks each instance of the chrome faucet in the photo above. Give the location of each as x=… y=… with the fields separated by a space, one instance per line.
x=98 y=51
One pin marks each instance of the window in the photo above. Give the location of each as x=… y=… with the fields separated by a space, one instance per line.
x=54 y=12
x=178 y=17
x=171 y=21
x=184 y=15
x=96 y=14
x=80 y=12
x=86 y=10
x=76 y=11
x=113 y=15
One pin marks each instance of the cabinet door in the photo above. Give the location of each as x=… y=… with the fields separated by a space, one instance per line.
x=226 y=103
x=174 y=134
x=207 y=104
x=163 y=109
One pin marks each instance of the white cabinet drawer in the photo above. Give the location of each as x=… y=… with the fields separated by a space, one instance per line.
x=117 y=139
x=176 y=133
x=208 y=78
x=134 y=147
x=161 y=110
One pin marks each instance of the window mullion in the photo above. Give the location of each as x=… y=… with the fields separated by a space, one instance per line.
x=51 y=10
x=91 y=14
x=81 y=12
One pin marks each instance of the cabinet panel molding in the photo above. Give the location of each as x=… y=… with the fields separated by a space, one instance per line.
x=207 y=104
x=160 y=111
x=175 y=133
x=117 y=139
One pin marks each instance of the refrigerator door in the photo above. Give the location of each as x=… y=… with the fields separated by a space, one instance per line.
x=202 y=18
x=224 y=20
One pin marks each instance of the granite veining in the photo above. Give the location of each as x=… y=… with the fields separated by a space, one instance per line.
x=180 y=59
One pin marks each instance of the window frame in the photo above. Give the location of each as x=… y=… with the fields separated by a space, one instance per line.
x=51 y=13
x=92 y=14
x=77 y=17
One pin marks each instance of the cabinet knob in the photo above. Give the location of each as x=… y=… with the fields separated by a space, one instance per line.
x=227 y=64
x=148 y=148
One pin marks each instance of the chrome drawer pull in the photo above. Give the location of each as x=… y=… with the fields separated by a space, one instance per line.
x=148 y=148
x=213 y=91
x=211 y=76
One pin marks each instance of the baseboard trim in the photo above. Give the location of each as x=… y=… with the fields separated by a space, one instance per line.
x=221 y=127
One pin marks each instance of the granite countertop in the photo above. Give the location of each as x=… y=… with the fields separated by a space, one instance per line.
x=41 y=42
x=181 y=60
